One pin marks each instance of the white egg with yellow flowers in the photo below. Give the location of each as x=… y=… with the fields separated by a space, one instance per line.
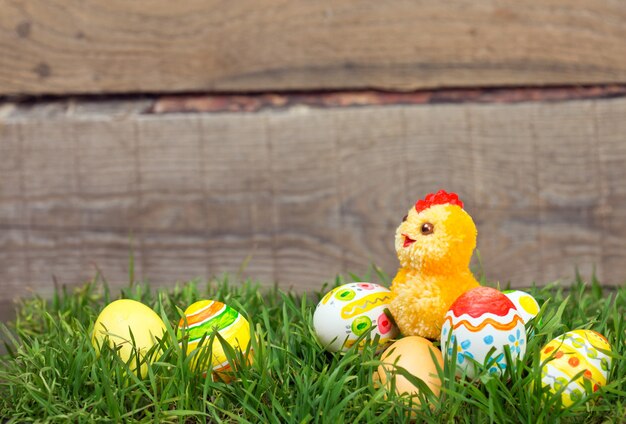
x=526 y=305
x=345 y=313
x=131 y=328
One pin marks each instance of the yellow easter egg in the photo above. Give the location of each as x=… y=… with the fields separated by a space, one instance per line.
x=571 y=353
x=115 y=324
x=202 y=319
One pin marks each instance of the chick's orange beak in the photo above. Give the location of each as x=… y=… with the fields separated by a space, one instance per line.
x=407 y=241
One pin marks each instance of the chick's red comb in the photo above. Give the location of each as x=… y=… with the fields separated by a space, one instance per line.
x=440 y=198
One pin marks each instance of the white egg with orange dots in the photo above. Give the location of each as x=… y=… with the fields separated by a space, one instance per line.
x=570 y=354
x=526 y=305
x=348 y=311
x=482 y=322
x=118 y=320
x=204 y=318
x=414 y=354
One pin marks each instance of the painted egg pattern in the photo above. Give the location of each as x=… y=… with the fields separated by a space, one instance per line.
x=348 y=311
x=574 y=352
x=525 y=304
x=480 y=320
x=208 y=316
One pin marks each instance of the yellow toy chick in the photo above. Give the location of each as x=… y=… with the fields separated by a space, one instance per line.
x=434 y=244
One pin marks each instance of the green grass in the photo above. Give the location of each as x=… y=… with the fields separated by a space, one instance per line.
x=52 y=373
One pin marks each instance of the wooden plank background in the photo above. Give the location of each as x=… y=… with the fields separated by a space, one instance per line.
x=92 y=46
x=300 y=194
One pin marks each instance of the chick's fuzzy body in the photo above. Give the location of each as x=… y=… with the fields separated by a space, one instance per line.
x=434 y=247
x=420 y=302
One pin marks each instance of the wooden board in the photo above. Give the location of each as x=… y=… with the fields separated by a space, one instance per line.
x=89 y=46
x=299 y=195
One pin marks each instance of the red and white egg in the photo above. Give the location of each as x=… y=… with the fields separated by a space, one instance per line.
x=481 y=322
x=348 y=311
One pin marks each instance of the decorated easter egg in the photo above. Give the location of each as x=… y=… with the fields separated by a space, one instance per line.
x=204 y=318
x=481 y=322
x=115 y=324
x=525 y=304
x=571 y=353
x=415 y=355
x=348 y=311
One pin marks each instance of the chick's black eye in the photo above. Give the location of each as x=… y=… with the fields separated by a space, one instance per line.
x=427 y=228
x=405 y=217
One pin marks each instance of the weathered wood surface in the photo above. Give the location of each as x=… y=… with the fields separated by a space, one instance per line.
x=299 y=195
x=89 y=46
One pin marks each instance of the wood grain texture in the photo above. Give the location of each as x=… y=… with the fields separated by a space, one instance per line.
x=77 y=46
x=299 y=195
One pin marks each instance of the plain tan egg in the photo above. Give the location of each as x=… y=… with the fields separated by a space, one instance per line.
x=413 y=354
